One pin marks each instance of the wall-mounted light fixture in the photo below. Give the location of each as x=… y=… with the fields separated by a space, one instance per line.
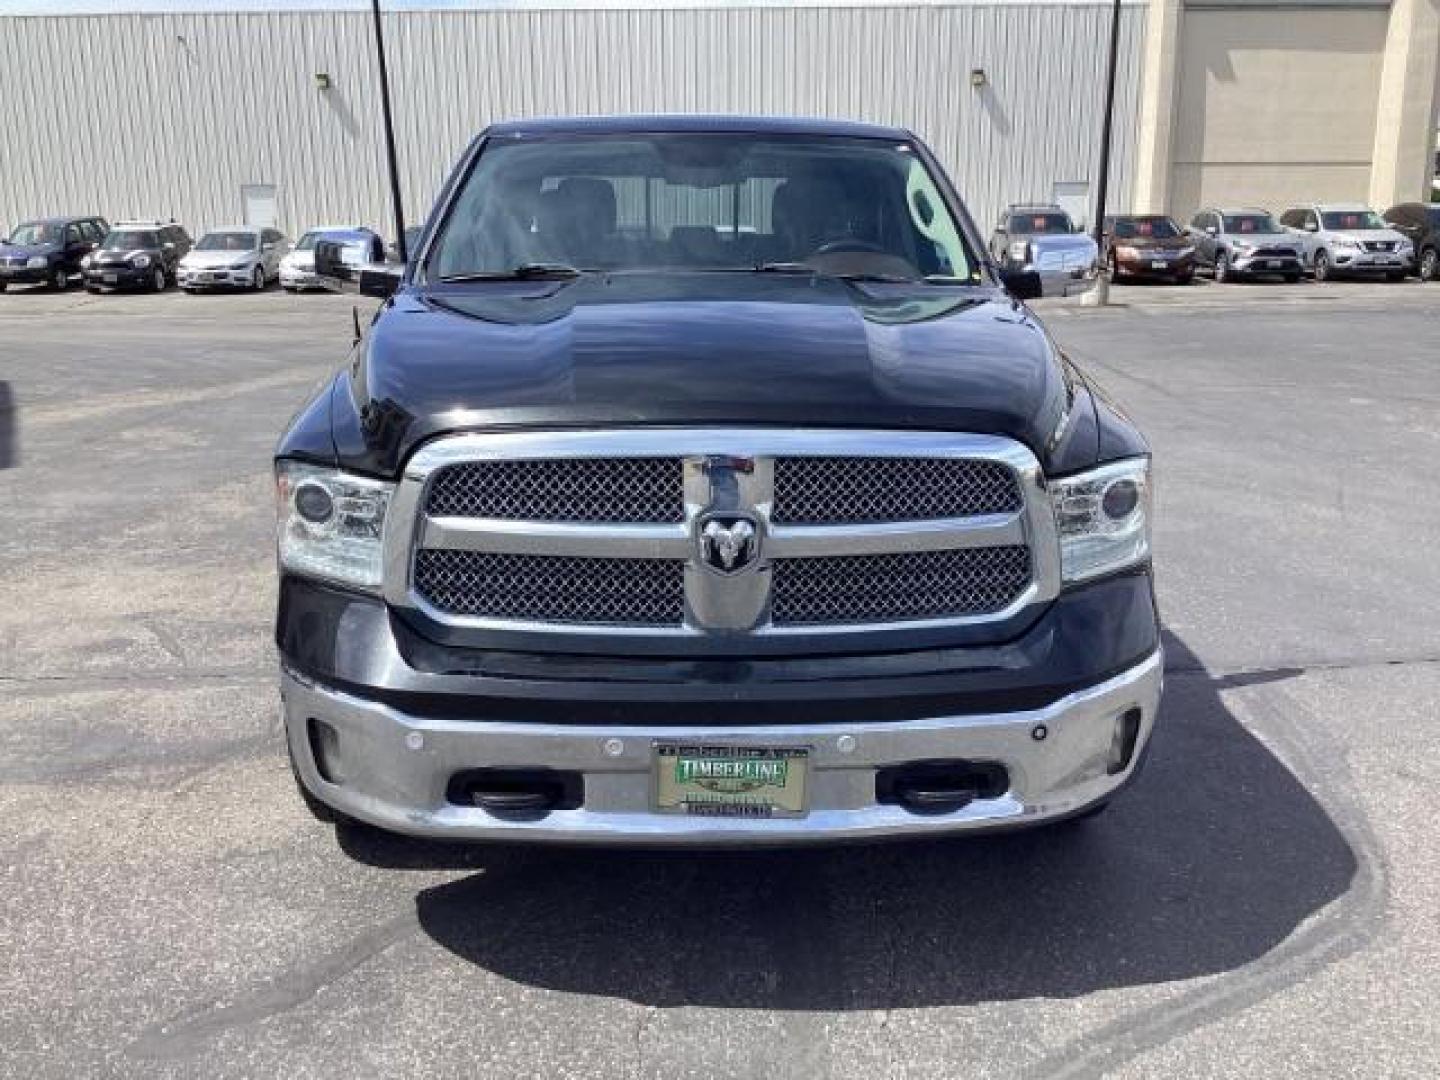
x=322 y=80
x=978 y=78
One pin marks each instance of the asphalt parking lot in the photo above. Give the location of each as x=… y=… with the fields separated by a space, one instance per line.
x=1263 y=903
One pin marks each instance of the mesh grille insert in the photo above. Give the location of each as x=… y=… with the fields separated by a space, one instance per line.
x=554 y=589
x=883 y=588
x=568 y=489
x=839 y=490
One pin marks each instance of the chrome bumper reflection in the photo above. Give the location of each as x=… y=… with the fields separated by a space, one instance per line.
x=396 y=768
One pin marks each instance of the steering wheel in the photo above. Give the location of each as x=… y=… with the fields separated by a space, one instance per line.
x=849 y=243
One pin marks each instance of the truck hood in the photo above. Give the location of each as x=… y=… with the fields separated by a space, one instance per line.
x=696 y=348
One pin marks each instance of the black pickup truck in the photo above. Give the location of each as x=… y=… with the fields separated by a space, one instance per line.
x=702 y=481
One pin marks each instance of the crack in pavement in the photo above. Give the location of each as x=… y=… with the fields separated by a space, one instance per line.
x=188 y=1033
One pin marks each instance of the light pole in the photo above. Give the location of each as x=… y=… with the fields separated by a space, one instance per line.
x=390 y=132
x=1101 y=292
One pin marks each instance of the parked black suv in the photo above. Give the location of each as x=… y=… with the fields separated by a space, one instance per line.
x=700 y=482
x=1420 y=224
x=48 y=251
x=137 y=254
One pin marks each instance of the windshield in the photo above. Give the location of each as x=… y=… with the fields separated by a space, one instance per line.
x=228 y=241
x=1250 y=223
x=1045 y=221
x=1353 y=219
x=704 y=202
x=1155 y=228
x=33 y=233
x=129 y=239
x=307 y=241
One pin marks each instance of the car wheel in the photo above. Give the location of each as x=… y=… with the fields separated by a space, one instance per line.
x=1223 y=273
x=1185 y=279
x=157 y=279
x=257 y=279
x=1395 y=275
x=93 y=290
x=1429 y=264
x=1292 y=279
x=59 y=280
x=1323 y=272
x=4 y=285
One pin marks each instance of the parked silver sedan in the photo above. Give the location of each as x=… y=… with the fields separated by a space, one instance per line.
x=240 y=256
x=297 y=269
x=1348 y=238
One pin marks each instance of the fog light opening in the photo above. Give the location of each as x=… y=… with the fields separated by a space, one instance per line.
x=1122 y=742
x=325 y=749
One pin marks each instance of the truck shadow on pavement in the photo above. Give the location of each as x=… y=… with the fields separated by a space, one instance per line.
x=1212 y=859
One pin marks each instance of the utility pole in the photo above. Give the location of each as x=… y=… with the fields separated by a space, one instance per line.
x=1101 y=292
x=390 y=129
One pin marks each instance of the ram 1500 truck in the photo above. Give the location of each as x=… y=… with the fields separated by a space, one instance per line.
x=702 y=481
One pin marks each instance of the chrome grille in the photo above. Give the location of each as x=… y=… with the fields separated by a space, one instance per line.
x=1379 y=245
x=562 y=539
x=1275 y=252
x=840 y=490
x=888 y=588
x=641 y=489
x=552 y=589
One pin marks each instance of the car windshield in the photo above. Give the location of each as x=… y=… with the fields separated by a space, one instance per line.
x=35 y=232
x=642 y=201
x=1157 y=228
x=129 y=239
x=1045 y=221
x=228 y=241
x=1250 y=223
x=1352 y=219
x=307 y=241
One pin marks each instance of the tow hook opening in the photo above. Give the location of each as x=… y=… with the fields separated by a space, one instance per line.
x=1122 y=743
x=940 y=786
x=517 y=794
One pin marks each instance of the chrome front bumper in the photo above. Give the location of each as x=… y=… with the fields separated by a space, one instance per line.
x=396 y=768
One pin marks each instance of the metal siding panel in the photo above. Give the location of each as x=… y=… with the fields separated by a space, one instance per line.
x=230 y=99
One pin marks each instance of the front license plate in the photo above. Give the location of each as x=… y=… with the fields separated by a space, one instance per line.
x=1158 y=264
x=1273 y=264
x=731 y=781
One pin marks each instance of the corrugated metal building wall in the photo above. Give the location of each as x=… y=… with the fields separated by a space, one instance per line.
x=171 y=114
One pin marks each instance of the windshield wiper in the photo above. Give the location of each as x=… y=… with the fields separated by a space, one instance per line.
x=806 y=268
x=523 y=272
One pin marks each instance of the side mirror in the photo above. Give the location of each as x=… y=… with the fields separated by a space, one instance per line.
x=1022 y=284
x=368 y=279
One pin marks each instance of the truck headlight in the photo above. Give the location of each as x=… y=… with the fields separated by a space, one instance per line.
x=1103 y=518
x=1019 y=250
x=37 y=262
x=331 y=524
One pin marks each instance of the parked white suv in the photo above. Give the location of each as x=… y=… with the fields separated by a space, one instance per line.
x=1347 y=238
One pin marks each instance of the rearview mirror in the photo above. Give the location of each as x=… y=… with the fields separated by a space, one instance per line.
x=368 y=279
x=1022 y=284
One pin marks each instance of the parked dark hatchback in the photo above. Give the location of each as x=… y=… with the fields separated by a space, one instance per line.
x=48 y=251
x=137 y=254
x=1420 y=223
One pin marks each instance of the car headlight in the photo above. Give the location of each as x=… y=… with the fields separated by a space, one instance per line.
x=1184 y=252
x=86 y=260
x=331 y=524
x=140 y=262
x=1019 y=249
x=1103 y=518
x=1405 y=247
x=239 y=264
x=1242 y=248
x=37 y=262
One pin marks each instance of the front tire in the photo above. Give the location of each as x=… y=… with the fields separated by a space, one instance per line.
x=1223 y=273
x=60 y=280
x=257 y=279
x=1429 y=264
x=1292 y=279
x=157 y=280
x=1395 y=275
x=1323 y=270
